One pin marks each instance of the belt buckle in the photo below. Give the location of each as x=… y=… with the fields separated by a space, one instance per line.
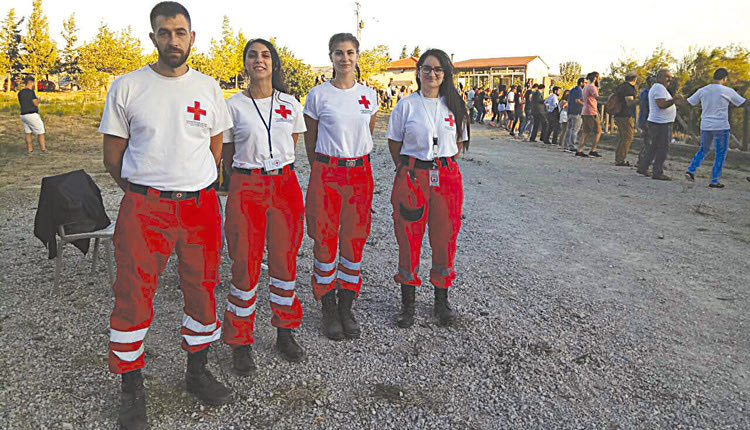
x=350 y=163
x=178 y=195
x=273 y=172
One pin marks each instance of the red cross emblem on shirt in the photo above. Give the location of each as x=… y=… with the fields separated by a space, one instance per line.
x=363 y=101
x=196 y=111
x=450 y=120
x=283 y=111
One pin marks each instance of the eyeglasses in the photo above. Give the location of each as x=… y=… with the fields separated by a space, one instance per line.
x=426 y=70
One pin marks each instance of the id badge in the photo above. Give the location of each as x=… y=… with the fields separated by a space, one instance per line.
x=272 y=164
x=434 y=178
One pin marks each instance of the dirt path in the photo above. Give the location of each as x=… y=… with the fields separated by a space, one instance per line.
x=589 y=297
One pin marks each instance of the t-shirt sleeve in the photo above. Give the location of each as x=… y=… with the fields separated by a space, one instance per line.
x=396 y=124
x=660 y=92
x=695 y=98
x=374 y=98
x=311 y=109
x=228 y=135
x=299 y=120
x=114 y=117
x=33 y=95
x=222 y=119
x=735 y=98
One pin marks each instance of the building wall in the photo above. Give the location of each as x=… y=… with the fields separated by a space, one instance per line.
x=537 y=70
x=383 y=78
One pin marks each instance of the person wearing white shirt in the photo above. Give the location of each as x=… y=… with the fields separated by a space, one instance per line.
x=162 y=127
x=552 y=103
x=264 y=205
x=714 y=100
x=426 y=133
x=661 y=116
x=340 y=117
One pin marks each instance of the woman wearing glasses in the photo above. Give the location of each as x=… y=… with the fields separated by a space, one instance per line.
x=340 y=116
x=426 y=133
x=264 y=205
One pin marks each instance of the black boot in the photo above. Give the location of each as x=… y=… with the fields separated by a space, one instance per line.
x=351 y=328
x=287 y=346
x=132 y=402
x=201 y=383
x=406 y=317
x=242 y=360
x=443 y=311
x=331 y=322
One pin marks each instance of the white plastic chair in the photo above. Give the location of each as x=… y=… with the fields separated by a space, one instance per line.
x=104 y=234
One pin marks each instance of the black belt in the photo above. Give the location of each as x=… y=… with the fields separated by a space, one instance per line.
x=264 y=171
x=422 y=164
x=343 y=162
x=173 y=195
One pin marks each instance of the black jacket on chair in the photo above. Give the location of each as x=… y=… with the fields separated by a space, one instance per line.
x=72 y=200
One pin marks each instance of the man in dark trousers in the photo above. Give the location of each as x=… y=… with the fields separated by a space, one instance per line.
x=32 y=122
x=162 y=127
x=662 y=114
x=538 y=110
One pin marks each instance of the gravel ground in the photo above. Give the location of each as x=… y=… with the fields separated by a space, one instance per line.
x=589 y=297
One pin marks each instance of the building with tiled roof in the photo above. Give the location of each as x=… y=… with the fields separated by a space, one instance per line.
x=491 y=72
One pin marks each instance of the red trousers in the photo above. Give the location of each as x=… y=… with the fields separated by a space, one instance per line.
x=442 y=212
x=337 y=209
x=262 y=210
x=148 y=228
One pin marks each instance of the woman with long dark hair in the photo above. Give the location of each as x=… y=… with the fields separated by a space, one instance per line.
x=340 y=117
x=426 y=133
x=264 y=205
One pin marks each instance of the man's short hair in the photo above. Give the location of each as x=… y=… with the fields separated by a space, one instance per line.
x=630 y=77
x=720 y=74
x=581 y=80
x=661 y=74
x=168 y=9
x=555 y=88
x=535 y=86
x=27 y=79
x=540 y=86
x=591 y=76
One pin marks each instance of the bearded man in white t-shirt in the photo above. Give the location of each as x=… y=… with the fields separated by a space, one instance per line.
x=714 y=100
x=162 y=127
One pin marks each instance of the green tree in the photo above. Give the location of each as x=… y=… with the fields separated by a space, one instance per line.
x=222 y=53
x=200 y=62
x=10 y=46
x=40 y=50
x=403 y=53
x=68 y=61
x=373 y=61
x=416 y=52
x=299 y=75
x=570 y=71
x=238 y=61
x=108 y=54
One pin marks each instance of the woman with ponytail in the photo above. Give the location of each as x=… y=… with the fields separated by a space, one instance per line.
x=426 y=134
x=264 y=205
x=340 y=116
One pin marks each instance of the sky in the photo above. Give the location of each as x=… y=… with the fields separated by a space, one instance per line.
x=592 y=36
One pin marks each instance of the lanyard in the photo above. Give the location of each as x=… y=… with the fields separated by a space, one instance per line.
x=432 y=124
x=266 y=125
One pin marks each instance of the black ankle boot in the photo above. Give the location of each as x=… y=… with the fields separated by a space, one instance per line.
x=406 y=318
x=351 y=328
x=132 y=402
x=201 y=383
x=331 y=322
x=242 y=360
x=287 y=346
x=443 y=311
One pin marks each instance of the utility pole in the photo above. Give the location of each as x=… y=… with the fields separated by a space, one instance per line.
x=360 y=24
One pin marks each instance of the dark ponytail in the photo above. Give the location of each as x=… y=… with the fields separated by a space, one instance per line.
x=452 y=98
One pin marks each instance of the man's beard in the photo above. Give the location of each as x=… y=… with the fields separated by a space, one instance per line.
x=171 y=61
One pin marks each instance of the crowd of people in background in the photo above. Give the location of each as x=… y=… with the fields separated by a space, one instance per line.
x=570 y=118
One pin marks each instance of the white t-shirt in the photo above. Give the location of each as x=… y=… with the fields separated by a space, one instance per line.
x=343 y=119
x=250 y=135
x=655 y=113
x=412 y=123
x=511 y=99
x=714 y=100
x=168 y=123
